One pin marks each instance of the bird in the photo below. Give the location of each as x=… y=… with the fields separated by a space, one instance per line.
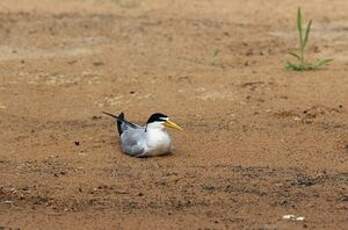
x=149 y=140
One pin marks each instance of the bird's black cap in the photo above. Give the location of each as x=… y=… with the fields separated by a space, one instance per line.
x=157 y=117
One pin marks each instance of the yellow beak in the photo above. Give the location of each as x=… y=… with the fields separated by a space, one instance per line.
x=172 y=125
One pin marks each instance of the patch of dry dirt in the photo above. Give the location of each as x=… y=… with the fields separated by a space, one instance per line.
x=259 y=142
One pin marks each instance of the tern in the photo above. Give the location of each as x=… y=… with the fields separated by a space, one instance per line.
x=145 y=141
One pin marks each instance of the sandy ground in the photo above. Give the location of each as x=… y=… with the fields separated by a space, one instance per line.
x=259 y=142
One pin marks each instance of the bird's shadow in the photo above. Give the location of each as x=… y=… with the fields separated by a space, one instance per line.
x=170 y=154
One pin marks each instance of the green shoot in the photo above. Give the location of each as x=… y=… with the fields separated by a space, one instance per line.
x=302 y=65
x=215 y=56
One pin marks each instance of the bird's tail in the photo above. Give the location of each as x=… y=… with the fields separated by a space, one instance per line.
x=120 y=120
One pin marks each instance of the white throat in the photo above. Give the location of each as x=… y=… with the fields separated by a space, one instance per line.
x=155 y=126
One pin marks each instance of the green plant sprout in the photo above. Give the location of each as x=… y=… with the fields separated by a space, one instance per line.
x=302 y=65
x=215 y=56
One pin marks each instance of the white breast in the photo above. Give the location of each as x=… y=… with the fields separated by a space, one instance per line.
x=157 y=142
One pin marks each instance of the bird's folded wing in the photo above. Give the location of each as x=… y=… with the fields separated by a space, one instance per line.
x=126 y=125
x=132 y=141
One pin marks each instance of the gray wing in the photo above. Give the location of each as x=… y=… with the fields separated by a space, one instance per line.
x=126 y=125
x=122 y=123
x=133 y=141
